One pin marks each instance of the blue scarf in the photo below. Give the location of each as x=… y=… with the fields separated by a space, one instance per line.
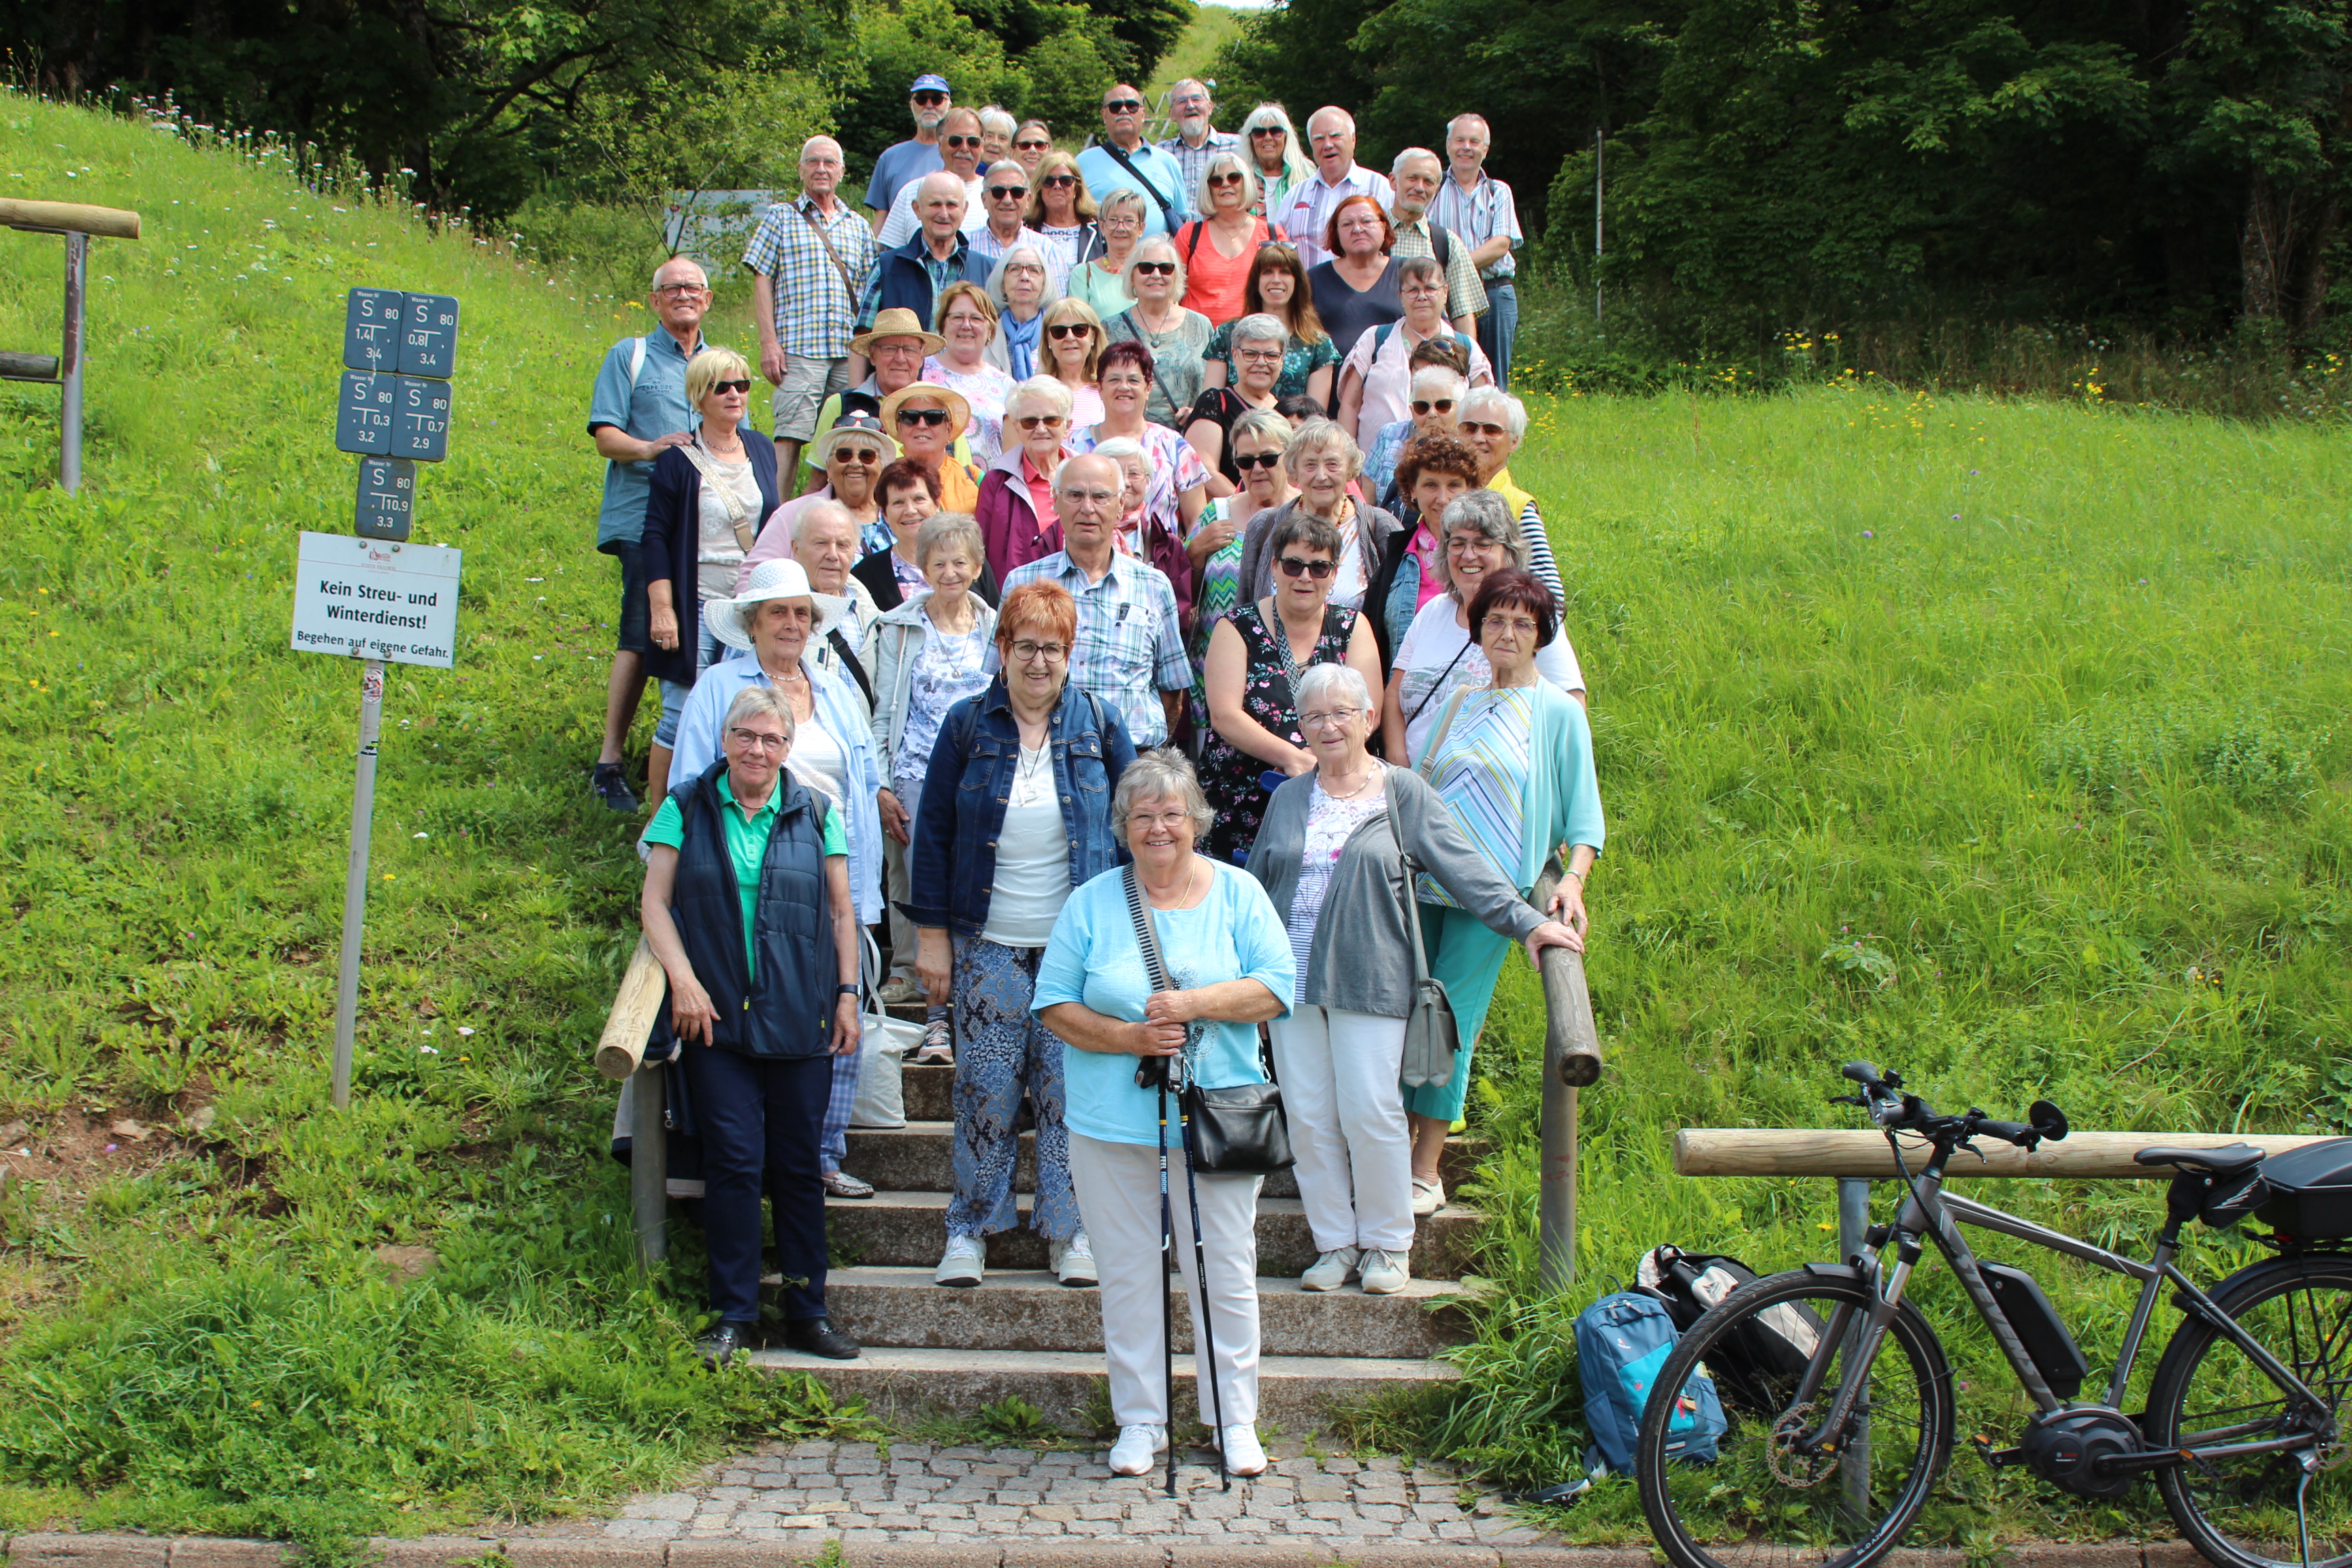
x=1021 y=343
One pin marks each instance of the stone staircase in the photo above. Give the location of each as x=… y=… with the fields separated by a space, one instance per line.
x=931 y=1350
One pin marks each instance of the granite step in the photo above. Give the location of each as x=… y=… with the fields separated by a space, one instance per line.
x=1025 y=1310
x=907 y=1229
x=1295 y=1393
x=920 y=1158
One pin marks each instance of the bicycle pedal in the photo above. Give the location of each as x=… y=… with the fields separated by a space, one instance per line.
x=1999 y=1459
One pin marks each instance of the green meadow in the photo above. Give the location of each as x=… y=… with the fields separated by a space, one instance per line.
x=1999 y=742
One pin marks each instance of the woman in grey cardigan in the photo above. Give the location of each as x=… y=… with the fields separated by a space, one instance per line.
x=1328 y=858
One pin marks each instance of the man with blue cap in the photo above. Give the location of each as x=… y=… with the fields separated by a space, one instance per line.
x=904 y=163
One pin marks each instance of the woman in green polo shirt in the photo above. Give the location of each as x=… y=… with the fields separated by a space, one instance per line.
x=747 y=907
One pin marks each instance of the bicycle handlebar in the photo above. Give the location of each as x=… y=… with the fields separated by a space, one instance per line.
x=1899 y=1113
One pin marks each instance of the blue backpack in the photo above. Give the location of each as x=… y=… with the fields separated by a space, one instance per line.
x=1621 y=1341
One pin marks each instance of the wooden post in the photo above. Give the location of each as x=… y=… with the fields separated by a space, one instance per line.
x=1799 y=1151
x=1571 y=1059
x=622 y=1048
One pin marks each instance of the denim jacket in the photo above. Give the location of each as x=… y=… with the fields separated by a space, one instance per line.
x=951 y=864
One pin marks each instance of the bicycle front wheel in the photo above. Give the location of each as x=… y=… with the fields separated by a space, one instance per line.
x=1766 y=1498
x=2239 y=1512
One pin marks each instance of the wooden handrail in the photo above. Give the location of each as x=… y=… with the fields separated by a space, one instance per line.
x=621 y=1050
x=1856 y=1152
x=109 y=223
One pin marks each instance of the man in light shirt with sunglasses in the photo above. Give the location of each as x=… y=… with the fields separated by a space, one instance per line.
x=959 y=156
x=1122 y=160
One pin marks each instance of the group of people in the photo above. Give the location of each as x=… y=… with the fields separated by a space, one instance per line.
x=1135 y=551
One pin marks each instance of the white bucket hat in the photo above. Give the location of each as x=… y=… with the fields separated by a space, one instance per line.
x=731 y=619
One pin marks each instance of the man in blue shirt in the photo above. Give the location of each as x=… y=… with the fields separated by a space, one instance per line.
x=1122 y=160
x=903 y=163
x=637 y=410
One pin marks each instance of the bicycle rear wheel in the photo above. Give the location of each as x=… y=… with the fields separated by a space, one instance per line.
x=1764 y=1502
x=2241 y=1512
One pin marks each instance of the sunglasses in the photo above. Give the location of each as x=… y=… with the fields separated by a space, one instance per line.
x=858 y=455
x=1292 y=567
x=1059 y=182
x=1480 y=427
x=960 y=140
x=1124 y=106
x=931 y=100
x=1422 y=405
x=1061 y=330
x=742 y=386
x=1037 y=421
x=1000 y=193
x=1268 y=131
x=1245 y=461
x=1033 y=146
x=1231 y=177
x=922 y=416
x=1155 y=268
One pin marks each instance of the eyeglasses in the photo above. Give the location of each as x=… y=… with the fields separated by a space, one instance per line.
x=1027 y=652
x=922 y=416
x=1155 y=269
x=742 y=386
x=1480 y=427
x=1429 y=288
x=1422 y=406
x=1124 y=106
x=1463 y=544
x=1033 y=146
x=931 y=100
x=1231 y=177
x=760 y=738
x=1245 y=461
x=1326 y=721
x=1292 y=567
x=1061 y=330
x=1059 y=182
x=668 y=290
x=853 y=455
x=1004 y=192
x=1037 y=421
x=1169 y=820
x=1100 y=498
x=1520 y=625
x=1263 y=356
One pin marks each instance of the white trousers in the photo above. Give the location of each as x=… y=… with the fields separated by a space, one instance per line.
x=1119 y=1194
x=1340 y=1096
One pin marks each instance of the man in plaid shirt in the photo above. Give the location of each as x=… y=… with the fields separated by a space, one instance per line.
x=1197 y=140
x=1129 y=651
x=809 y=261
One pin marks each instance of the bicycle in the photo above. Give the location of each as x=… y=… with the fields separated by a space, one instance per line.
x=1829 y=1373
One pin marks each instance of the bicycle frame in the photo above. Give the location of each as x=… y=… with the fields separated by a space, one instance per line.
x=1928 y=1210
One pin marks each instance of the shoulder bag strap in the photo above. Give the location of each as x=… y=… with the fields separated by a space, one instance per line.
x=1444 y=724
x=738 y=514
x=1412 y=870
x=1147 y=935
x=1192 y=245
x=1440 y=683
x=1167 y=213
x=848 y=280
x=636 y=364
x=1280 y=637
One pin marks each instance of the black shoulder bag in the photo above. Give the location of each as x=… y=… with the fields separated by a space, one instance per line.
x=1167 y=213
x=1236 y=1131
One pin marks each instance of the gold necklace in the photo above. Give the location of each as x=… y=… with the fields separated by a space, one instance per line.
x=1192 y=879
x=1368 y=776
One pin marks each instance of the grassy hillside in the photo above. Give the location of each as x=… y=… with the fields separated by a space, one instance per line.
x=1997 y=742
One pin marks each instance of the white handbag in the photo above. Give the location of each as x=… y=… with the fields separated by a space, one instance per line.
x=882 y=1047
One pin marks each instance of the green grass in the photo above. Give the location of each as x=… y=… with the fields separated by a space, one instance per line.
x=1211 y=28
x=1997 y=741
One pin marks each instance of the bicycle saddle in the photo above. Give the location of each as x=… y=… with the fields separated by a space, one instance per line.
x=2219 y=1162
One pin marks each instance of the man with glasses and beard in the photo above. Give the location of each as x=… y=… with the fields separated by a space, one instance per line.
x=1197 y=140
x=1122 y=160
x=902 y=163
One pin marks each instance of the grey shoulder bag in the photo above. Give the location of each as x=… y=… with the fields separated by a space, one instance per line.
x=1431 y=1037
x=1238 y=1131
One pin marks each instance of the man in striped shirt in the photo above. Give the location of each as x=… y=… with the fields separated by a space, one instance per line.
x=1478 y=207
x=1331 y=137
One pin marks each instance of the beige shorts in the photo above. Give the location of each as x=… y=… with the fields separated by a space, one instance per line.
x=807 y=384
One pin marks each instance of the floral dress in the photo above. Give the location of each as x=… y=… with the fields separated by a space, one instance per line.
x=1230 y=777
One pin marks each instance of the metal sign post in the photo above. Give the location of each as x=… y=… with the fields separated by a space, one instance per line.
x=374 y=596
x=76 y=223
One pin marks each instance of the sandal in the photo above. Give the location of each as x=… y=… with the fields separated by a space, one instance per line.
x=842 y=1184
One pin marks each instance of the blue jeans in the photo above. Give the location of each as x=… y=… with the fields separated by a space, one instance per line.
x=758 y=1118
x=1499 y=328
x=1000 y=1048
x=707 y=649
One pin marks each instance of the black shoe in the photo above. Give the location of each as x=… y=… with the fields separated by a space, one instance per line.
x=612 y=788
x=818 y=1337
x=719 y=1345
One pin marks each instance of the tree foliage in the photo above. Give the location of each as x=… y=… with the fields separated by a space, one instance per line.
x=2175 y=162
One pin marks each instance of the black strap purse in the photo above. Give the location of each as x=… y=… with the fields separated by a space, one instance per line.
x=1238 y=1131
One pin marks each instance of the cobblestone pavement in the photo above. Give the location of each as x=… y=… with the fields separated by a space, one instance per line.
x=920 y=1492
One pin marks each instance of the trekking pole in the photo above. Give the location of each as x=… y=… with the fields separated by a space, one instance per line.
x=1204 y=1338
x=1167 y=1296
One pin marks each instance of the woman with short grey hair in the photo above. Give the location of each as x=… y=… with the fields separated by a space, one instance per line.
x=1101 y=279
x=1493 y=424
x=1015 y=524
x=1021 y=286
x=1322 y=460
x=1229 y=969
x=1156 y=317
x=1331 y=857
x=1256 y=347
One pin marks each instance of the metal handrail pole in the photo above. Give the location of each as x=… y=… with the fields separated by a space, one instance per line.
x=1572 y=1060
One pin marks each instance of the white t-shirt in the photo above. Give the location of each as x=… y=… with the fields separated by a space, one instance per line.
x=1429 y=647
x=718 y=554
x=1033 y=857
x=817 y=759
x=899 y=225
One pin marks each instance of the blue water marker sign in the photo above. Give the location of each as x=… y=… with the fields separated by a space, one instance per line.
x=428 y=337
x=420 y=423
x=372 y=318
x=387 y=496
x=363 y=421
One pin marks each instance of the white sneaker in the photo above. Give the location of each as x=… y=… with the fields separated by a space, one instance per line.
x=1073 y=1261
x=1242 y=1455
x=1428 y=1196
x=1384 y=1272
x=1331 y=1270
x=964 y=1264
x=1131 y=1455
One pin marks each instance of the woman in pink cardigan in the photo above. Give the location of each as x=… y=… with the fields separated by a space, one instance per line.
x=1015 y=508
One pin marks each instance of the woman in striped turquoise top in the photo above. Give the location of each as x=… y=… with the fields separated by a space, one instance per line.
x=1514 y=759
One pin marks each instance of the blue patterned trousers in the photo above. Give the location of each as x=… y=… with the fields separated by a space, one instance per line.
x=1001 y=1049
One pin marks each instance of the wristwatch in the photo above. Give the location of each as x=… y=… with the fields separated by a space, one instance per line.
x=846 y=989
